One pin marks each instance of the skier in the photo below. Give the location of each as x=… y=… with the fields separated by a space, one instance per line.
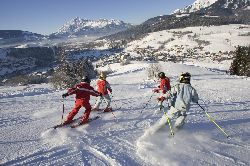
x=163 y=87
x=182 y=95
x=103 y=87
x=83 y=92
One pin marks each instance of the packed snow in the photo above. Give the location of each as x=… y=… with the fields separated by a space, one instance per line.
x=27 y=114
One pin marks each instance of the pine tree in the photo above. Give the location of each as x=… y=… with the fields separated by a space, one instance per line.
x=67 y=74
x=241 y=64
x=153 y=70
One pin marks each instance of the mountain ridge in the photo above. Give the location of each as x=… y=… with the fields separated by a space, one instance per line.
x=81 y=27
x=197 y=5
x=221 y=12
x=213 y=4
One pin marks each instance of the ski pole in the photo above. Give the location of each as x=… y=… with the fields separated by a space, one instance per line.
x=114 y=102
x=168 y=120
x=147 y=102
x=114 y=116
x=63 y=110
x=213 y=121
x=112 y=110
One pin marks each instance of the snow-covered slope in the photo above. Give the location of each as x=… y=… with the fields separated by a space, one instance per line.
x=213 y=42
x=27 y=113
x=235 y=4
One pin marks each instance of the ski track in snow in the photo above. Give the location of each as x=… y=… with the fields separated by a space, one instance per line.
x=111 y=161
x=27 y=112
x=26 y=91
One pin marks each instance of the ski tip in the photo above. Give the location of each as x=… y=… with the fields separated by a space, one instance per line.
x=171 y=135
x=57 y=126
x=97 y=117
x=228 y=137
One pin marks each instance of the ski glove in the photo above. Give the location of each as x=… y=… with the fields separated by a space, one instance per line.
x=161 y=99
x=100 y=94
x=65 y=95
x=156 y=90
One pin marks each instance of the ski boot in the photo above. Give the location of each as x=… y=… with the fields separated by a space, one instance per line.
x=84 y=119
x=68 y=121
x=107 y=110
x=96 y=109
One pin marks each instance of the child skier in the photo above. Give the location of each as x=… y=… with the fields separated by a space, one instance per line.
x=83 y=92
x=182 y=95
x=103 y=87
x=163 y=87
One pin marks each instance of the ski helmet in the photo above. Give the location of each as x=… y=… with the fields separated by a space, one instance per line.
x=161 y=75
x=185 y=78
x=102 y=76
x=86 y=79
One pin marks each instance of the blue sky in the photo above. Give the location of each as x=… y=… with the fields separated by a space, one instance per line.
x=46 y=16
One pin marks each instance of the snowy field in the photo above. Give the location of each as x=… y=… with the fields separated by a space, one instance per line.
x=211 y=39
x=28 y=112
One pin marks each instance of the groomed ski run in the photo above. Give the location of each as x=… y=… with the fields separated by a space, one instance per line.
x=27 y=112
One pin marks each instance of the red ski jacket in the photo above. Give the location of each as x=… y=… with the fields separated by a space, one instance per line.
x=103 y=87
x=165 y=85
x=83 y=91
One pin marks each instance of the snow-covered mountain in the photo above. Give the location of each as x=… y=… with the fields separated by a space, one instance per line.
x=12 y=34
x=15 y=36
x=78 y=27
x=226 y=4
x=200 y=13
x=197 y=5
x=233 y=4
x=229 y=7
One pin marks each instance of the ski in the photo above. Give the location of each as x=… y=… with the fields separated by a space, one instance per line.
x=58 y=126
x=171 y=135
x=103 y=112
x=90 y=119
x=62 y=125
